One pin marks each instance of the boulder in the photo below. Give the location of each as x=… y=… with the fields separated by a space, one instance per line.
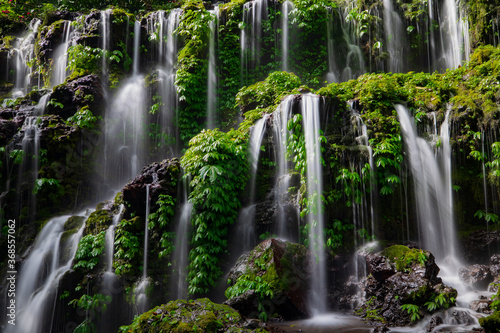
x=279 y=272
x=199 y=315
x=476 y=276
x=479 y=244
x=397 y=276
x=161 y=178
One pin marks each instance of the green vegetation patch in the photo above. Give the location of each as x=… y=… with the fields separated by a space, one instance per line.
x=404 y=258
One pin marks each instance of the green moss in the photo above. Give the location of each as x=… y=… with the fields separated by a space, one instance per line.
x=200 y=315
x=491 y=324
x=98 y=221
x=404 y=258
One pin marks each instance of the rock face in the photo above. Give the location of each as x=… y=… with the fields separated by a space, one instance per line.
x=278 y=272
x=398 y=276
x=476 y=276
x=478 y=245
x=195 y=315
x=160 y=177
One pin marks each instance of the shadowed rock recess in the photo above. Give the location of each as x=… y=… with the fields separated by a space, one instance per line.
x=250 y=166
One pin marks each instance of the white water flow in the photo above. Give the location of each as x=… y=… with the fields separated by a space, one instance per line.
x=395 y=38
x=163 y=29
x=212 y=70
x=281 y=136
x=433 y=189
x=246 y=218
x=28 y=171
x=146 y=235
x=49 y=259
x=143 y=283
x=286 y=8
x=42 y=104
x=24 y=54
x=450 y=44
x=106 y=35
x=137 y=45
x=254 y=12
x=60 y=58
x=362 y=139
x=181 y=252
x=311 y=127
x=125 y=125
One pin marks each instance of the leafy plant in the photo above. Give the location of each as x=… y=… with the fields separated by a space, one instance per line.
x=216 y=164
x=160 y=220
x=441 y=301
x=127 y=246
x=488 y=217
x=84 y=118
x=90 y=249
x=262 y=289
x=413 y=310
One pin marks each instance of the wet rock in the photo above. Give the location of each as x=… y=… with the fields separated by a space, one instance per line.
x=160 y=177
x=49 y=37
x=69 y=97
x=495 y=259
x=285 y=268
x=459 y=317
x=478 y=246
x=57 y=15
x=481 y=306
x=476 y=276
x=399 y=275
x=435 y=321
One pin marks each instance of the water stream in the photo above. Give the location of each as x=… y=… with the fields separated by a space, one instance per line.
x=212 y=70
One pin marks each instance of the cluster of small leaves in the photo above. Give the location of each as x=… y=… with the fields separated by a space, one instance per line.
x=128 y=249
x=83 y=60
x=216 y=162
x=191 y=75
x=84 y=118
x=413 y=310
x=97 y=303
x=261 y=287
x=90 y=249
x=441 y=301
x=159 y=221
x=334 y=235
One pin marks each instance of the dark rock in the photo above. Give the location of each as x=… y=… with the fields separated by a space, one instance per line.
x=285 y=267
x=478 y=246
x=161 y=179
x=435 y=321
x=400 y=275
x=495 y=259
x=57 y=15
x=379 y=266
x=476 y=276
x=49 y=38
x=458 y=317
x=481 y=306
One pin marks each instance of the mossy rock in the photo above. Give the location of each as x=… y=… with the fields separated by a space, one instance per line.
x=98 y=221
x=491 y=324
x=404 y=258
x=200 y=315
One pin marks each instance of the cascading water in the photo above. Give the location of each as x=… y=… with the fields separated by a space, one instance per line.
x=50 y=258
x=59 y=71
x=181 y=252
x=450 y=44
x=395 y=38
x=24 y=55
x=254 y=12
x=433 y=190
x=106 y=35
x=311 y=125
x=136 y=60
x=212 y=70
x=142 y=286
x=246 y=218
x=286 y=8
x=162 y=28
x=281 y=134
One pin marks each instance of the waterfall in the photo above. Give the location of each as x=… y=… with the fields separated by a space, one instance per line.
x=141 y=289
x=453 y=35
x=59 y=72
x=137 y=45
x=212 y=70
x=124 y=132
x=395 y=38
x=432 y=185
x=162 y=28
x=24 y=55
x=286 y=8
x=254 y=12
x=311 y=126
x=281 y=134
x=146 y=235
x=246 y=219
x=49 y=259
x=181 y=252
x=106 y=36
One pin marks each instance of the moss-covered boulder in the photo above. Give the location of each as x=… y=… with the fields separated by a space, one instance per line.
x=271 y=281
x=490 y=323
x=403 y=286
x=200 y=315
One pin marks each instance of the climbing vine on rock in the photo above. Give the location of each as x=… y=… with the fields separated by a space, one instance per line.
x=216 y=163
